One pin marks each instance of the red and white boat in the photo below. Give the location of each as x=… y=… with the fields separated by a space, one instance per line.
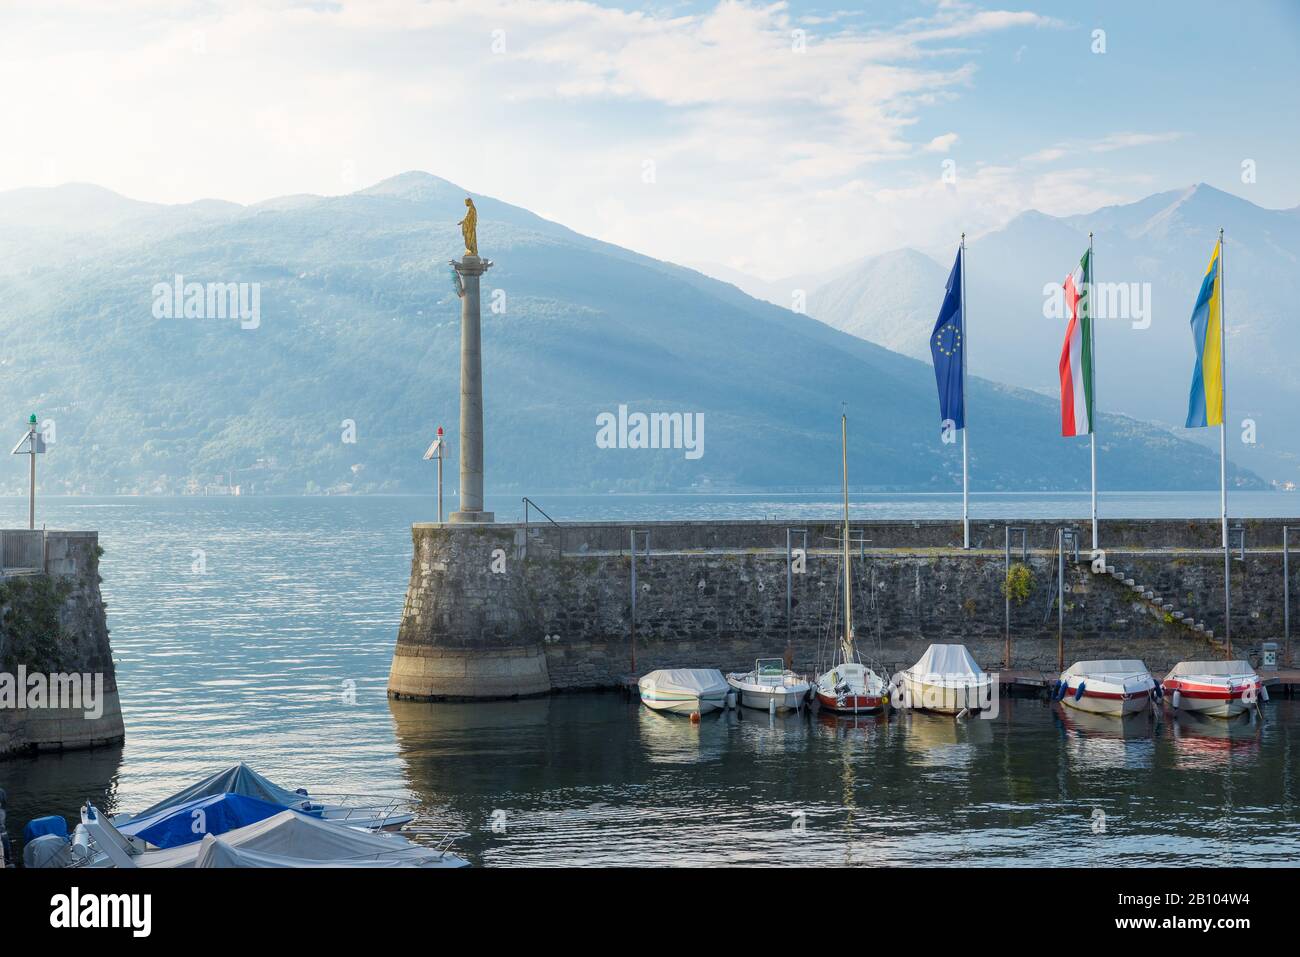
x=1221 y=689
x=1114 y=687
x=849 y=687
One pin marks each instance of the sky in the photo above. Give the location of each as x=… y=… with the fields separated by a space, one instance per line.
x=771 y=138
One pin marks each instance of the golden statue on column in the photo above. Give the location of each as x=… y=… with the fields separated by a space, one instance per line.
x=469 y=228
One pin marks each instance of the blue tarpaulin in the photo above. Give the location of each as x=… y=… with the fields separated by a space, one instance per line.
x=188 y=822
x=237 y=779
x=40 y=826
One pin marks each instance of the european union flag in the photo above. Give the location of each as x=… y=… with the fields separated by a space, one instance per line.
x=946 y=344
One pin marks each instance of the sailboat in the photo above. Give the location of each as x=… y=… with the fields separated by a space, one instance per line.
x=850 y=687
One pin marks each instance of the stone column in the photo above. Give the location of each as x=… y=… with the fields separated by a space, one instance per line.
x=470 y=268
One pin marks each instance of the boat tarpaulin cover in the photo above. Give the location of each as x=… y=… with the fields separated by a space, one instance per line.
x=1221 y=668
x=290 y=839
x=237 y=779
x=1108 y=666
x=947 y=660
x=188 y=822
x=693 y=681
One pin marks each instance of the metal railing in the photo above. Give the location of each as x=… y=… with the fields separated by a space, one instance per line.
x=530 y=504
x=22 y=551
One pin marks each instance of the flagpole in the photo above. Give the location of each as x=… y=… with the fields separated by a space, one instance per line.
x=965 y=424
x=1092 y=411
x=1223 y=457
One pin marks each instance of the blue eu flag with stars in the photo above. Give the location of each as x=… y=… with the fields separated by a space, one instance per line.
x=946 y=344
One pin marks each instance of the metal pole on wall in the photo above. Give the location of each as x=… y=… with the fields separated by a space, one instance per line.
x=1006 y=591
x=633 y=543
x=1286 y=597
x=789 y=587
x=1060 y=599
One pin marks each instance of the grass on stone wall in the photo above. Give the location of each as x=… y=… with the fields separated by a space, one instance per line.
x=30 y=631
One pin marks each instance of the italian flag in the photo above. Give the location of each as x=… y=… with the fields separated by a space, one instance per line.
x=1076 y=354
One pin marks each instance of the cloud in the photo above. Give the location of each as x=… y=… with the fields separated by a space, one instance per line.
x=763 y=148
x=941 y=144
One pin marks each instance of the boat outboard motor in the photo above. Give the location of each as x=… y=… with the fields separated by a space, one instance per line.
x=48 y=850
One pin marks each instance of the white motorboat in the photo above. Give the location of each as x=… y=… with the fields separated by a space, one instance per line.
x=947 y=680
x=286 y=839
x=1220 y=689
x=770 y=685
x=849 y=687
x=355 y=810
x=684 y=690
x=1114 y=687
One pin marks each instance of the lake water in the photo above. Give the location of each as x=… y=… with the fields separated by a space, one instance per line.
x=261 y=629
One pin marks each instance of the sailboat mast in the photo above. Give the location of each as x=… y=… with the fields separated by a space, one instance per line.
x=848 y=578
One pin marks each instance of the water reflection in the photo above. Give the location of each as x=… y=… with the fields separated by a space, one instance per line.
x=1202 y=742
x=1108 y=741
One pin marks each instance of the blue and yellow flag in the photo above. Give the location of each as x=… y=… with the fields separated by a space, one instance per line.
x=1205 y=404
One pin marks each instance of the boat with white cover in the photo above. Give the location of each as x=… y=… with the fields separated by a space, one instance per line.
x=849 y=687
x=1113 y=686
x=946 y=679
x=684 y=690
x=770 y=685
x=1220 y=689
x=286 y=839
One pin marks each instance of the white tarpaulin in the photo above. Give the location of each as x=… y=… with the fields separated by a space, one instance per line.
x=948 y=662
x=291 y=839
x=690 y=681
x=1226 y=669
x=1111 y=667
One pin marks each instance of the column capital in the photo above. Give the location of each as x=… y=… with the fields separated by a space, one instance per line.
x=471 y=265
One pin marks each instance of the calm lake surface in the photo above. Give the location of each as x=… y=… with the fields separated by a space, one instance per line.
x=277 y=654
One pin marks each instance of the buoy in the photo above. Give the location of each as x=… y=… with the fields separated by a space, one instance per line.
x=695 y=717
x=1079 y=694
x=771 y=705
x=1263 y=693
x=1177 y=701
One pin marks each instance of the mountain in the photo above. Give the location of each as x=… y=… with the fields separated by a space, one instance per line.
x=888 y=299
x=353 y=360
x=1157 y=250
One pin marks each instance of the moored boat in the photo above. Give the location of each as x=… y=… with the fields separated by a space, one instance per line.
x=849 y=687
x=286 y=839
x=684 y=690
x=355 y=810
x=1114 y=687
x=770 y=686
x=1220 y=689
x=947 y=680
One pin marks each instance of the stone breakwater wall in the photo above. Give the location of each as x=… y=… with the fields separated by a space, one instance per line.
x=52 y=620
x=504 y=610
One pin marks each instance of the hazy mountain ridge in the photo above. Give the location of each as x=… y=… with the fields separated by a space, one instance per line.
x=1158 y=246
x=359 y=325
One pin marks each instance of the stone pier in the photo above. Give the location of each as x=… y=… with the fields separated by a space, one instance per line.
x=503 y=611
x=52 y=622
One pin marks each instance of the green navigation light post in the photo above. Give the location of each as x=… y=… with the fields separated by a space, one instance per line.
x=32 y=443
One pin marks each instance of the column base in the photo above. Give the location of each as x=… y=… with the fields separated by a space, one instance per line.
x=466 y=518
